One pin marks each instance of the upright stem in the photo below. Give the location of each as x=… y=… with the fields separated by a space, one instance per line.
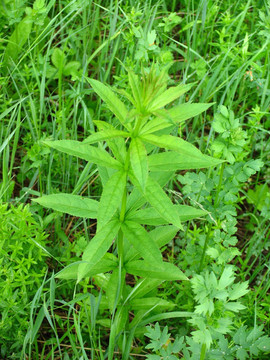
x=123 y=206
x=120 y=250
x=138 y=125
x=203 y=352
x=120 y=238
x=120 y=247
x=120 y=241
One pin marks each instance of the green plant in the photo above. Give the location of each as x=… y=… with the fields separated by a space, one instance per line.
x=244 y=343
x=19 y=37
x=216 y=305
x=219 y=192
x=224 y=47
x=230 y=143
x=260 y=197
x=241 y=345
x=133 y=175
x=22 y=270
x=162 y=345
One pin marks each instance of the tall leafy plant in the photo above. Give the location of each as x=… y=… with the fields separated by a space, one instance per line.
x=142 y=156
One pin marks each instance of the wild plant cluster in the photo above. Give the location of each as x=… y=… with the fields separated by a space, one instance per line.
x=134 y=189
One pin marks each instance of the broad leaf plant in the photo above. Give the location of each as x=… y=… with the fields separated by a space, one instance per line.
x=142 y=157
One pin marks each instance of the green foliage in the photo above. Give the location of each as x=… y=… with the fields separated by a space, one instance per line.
x=62 y=66
x=231 y=140
x=260 y=197
x=243 y=344
x=19 y=37
x=170 y=22
x=214 y=314
x=114 y=220
x=211 y=61
x=161 y=344
x=71 y=204
x=22 y=256
x=222 y=205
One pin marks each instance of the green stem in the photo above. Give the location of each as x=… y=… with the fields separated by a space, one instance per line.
x=120 y=247
x=123 y=207
x=120 y=250
x=120 y=244
x=138 y=125
x=203 y=352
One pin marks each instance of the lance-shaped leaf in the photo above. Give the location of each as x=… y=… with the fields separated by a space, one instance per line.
x=70 y=204
x=85 y=152
x=160 y=235
x=17 y=39
x=151 y=302
x=186 y=111
x=150 y=216
x=111 y=197
x=102 y=280
x=107 y=263
x=174 y=116
x=97 y=248
x=116 y=106
x=164 y=271
x=127 y=95
x=169 y=95
x=142 y=242
x=136 y=198
x=161 y=202
x=144 y=286
x=138 y=160
x=155 y=125
x=137 y=321
x=117 y=144
x=115 y=288
x=177 y=144
x=172 y=161
x=105 y=135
